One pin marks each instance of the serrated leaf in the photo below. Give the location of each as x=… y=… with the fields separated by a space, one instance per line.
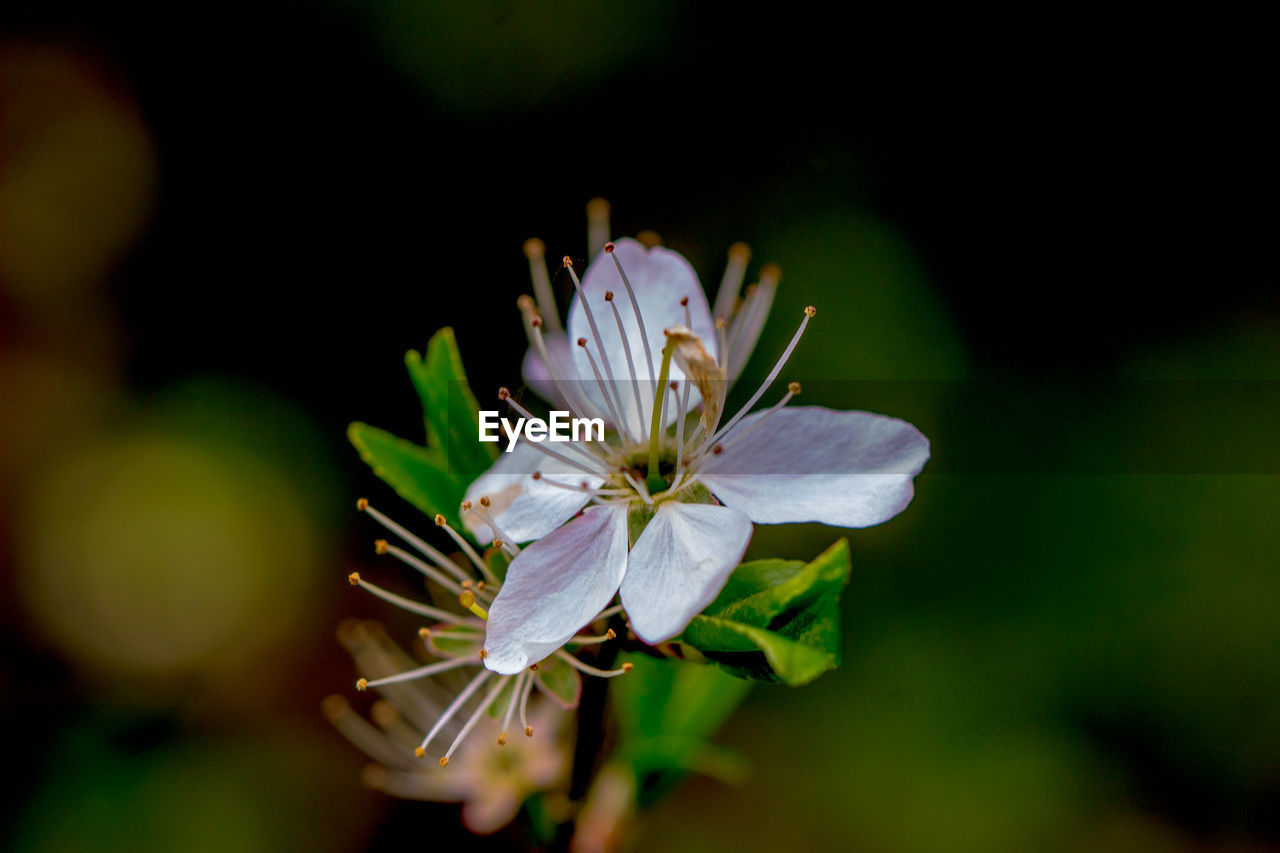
x=776 y=620
x=450 y=411
x=418 y=474
x=559 y=681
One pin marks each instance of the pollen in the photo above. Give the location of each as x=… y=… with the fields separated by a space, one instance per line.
x=362 y=684
x=484 y=653
x=528 y=731
x=810 y=311
x=439 y=520
x=793 y=387
x=362 y=504
x=354 y=579
x=484 y=501
x=419 y=752
x=502 y=739
x=610 y=634
x=380 y=546
x=628 y=666
x=444 y=761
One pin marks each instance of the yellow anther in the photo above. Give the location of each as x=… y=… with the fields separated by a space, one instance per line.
x=362 y=504
x=354 y=579
x=424 y=633
x=628 y=666
x=793 y=387
x=480 y=584
x=484 y=501
x=419 y=751
x=362 y=684
x=467 y=584
x=466 y=506
x=598 y=208
x=772 y=271
x=484 y=653
x=740 y=252
x=649 y=239
x=534 y=248
x=810 y=311
x=380 y=546
x=502 y=739
x=440 y=522
x=567 y=261
x=610 y=634
x=528 y=731
x=444 y=762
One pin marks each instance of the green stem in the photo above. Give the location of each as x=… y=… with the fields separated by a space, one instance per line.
x=654 y=480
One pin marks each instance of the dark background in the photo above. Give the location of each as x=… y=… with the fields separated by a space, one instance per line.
x=221 y=228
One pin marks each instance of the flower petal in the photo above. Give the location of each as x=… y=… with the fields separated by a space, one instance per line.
x=660 y=278
x=807 y=463
x=525 y=508
x=554 y=587
x=679 y=564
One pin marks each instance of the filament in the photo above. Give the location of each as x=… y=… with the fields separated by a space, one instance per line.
x=591 y=670
x=407 y=603
x=468 y=550
x=467 y=693
x=635 y=307
x=472 y=720
x=431 y=553
x=426 y=568
x=420 y=672
x=626 y=348
x=535 y=251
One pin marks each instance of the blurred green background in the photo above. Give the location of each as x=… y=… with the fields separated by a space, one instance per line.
x=221 y=227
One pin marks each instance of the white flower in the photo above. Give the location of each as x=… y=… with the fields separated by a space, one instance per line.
x=642 y=337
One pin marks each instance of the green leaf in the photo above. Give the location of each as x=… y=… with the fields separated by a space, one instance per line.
x=418 y=474
x=434 y=478
x=559 y=681
x=451 y=413
x=776 y=620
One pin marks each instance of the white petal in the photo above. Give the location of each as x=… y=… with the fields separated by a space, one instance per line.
x=807 y=463
x=554 y=587
x=660 y=278
x=746 y=328
x=523 y=507
x=679 y=564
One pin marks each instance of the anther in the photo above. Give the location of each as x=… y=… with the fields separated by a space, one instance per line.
x=568 y=261
x=582 y=342
x=354 y=579
x=793 y=387
x=608 y=248
x=608 y=294
x=721 y=323
x=528 y=731
x=533 y=667
x=771 y=270
x=684 y=300
x=628 y=666
x=534 y=248
x=440 y=522
x=740 y=253
x=673 y=386
x=536 y=322
x=362 y=684
x=466 y=506
x=484 y=653
x=424 y=633
x=718 y=449
x=502 y=739
x=467 y=584
x=480 y=584
x=419 y=751
x=380 y=546
x=537 y=475
x=810 y=311
x=362 y=504
x=503 y=394
x=610 y=634
x=525 y=302
x=444 y=761
x=649 y=238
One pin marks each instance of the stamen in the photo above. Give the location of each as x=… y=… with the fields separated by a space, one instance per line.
x=500 y=538
x=649 y=238
x=586 y=454
x=468 y=550
x=421 y=672
x=608 y=611
x=428 y=551
x=524 y=702
x=383 y=547
x=572 y=487
x=592 y=641
x=361 y=733
x=457 y=703
x=639 y=486
x=626 y=348
x=735 y=270
x=511 y=706
x=535 y=251
x=680 y=416
x=406 y=603
x=809 y=312
x=688 y=320
x=749 y=321
x=614 y=411
x=635 y=307
x=473 y=719
x=597 y=225
x=468 y=601
x=591 y=318
x=591 y=670
x=793 y=389
x=505 y=395
x=572 y=400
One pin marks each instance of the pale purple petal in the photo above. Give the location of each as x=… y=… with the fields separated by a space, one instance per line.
x=660 y=278
x=679 y=564
x=525 y=508
x=554 y=587
x=807 y=463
